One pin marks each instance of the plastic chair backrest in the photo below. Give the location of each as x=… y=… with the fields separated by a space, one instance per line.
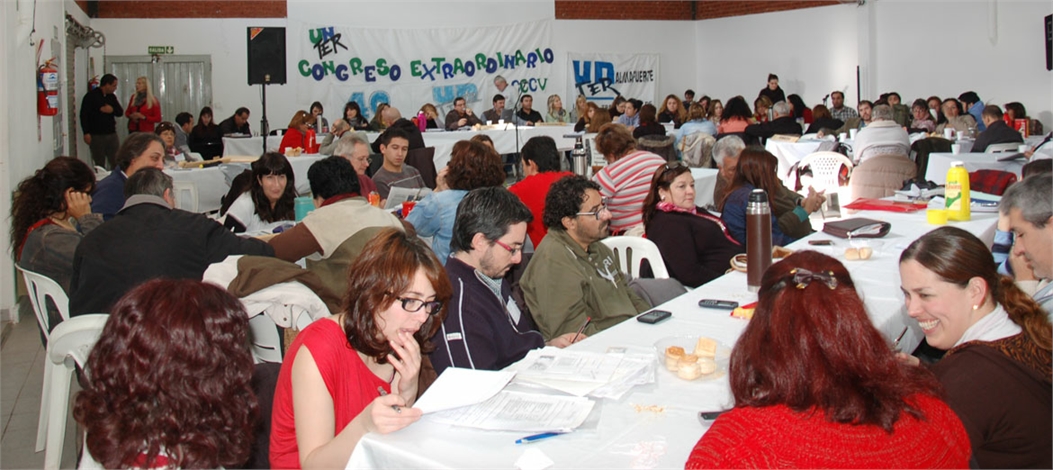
x=999 y=148
x=75 y=337
x=266 y=341
x=185 y=195
x=41 y=288
x=826 y=166
x=630 y=253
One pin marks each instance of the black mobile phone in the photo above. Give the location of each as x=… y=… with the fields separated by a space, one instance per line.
x=654 y=316
x=820 y=242
x=721 y=304
x=704 y=416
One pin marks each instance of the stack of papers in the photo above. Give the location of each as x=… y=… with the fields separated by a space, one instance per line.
x=474 y=398
x=580 y=373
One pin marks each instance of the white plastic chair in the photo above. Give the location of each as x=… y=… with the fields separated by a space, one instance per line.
x=999 y=148
x=632 y=251
x=826 y=166
x=40 y=288
x=70 y=343
x=266 y=341
x=185 y=195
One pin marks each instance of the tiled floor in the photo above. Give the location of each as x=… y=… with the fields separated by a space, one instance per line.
x=21 y=381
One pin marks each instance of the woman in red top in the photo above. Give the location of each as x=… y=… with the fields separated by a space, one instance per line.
x=143 y=111
x=735 y=116
x=296 y=135
x=356 y=372
x=816 y=385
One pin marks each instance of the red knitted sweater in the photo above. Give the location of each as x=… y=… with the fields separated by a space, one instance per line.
x=778 y=437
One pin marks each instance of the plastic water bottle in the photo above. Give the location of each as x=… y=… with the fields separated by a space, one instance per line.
x=956 y=192
x=758 y=238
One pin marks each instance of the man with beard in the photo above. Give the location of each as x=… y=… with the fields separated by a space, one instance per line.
x=484 y=327
x=573 y=276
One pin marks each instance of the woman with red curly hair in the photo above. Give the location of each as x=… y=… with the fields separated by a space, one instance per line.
x=356 y=372
x=169 y=380
x=816 y=385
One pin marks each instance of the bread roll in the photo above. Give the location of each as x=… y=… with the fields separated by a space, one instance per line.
x=689 y=371
x=865 y=252
x=672 y=357
x=707 y=366
x=687 y=359
x=706 y=347
x=852 y=254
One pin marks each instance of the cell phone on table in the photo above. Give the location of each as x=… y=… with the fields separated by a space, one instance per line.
x=654 y=316
x=820 y=242
x=704 y=416
x=721 y=304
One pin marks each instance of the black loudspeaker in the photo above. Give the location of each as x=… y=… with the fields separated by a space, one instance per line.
x=266 y=62
x=1049 y=42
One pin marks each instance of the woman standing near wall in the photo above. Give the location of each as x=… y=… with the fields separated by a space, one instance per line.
x=143 y=111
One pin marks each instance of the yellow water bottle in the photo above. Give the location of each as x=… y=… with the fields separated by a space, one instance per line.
x=956 y=192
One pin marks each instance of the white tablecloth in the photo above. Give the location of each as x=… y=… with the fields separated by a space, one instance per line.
x=249 y=146
x=939 y=163
x=627 y=437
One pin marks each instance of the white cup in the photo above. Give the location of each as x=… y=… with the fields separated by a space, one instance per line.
x=842 y=136
x=1023 y=148
x=956 y=148
x=852 y=133
x=489 y=122
x=948 y=133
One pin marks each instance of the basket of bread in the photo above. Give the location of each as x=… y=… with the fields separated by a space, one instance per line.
x=693 y=357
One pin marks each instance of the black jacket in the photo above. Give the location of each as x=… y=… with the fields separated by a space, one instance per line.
x=784 y=125
x=997 y=133
x=148 y=240
x=93 y=121
x=228 y=126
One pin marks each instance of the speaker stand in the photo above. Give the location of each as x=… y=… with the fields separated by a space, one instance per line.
x=264 y=127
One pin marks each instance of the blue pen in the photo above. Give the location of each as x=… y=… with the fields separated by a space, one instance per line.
x=537 y=437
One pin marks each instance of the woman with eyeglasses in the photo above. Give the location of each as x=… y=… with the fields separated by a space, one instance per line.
x=694 y=243
x=356 y=372
x=817 y=386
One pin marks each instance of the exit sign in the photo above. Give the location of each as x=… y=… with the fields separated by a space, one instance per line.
x=160 y=50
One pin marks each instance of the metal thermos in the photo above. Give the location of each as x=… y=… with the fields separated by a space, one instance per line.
x=758 y=238
x=579 y=157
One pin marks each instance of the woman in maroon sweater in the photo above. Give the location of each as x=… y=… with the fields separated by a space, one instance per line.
x=816 y=385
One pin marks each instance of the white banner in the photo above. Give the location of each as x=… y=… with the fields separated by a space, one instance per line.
x=410 y=67
x=602 y=77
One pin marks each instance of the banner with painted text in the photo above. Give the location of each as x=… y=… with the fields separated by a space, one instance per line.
x=410 y=67
x=601 y=77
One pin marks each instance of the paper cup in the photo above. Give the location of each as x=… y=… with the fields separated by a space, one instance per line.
x=842 y=136
x=302 y=206
x=936 y=216
x=948 y=133
x=407 y=206
x=956 y=148
x=852 y=133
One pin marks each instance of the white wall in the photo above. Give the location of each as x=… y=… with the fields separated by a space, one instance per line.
x=813 y=51
x=939 y=48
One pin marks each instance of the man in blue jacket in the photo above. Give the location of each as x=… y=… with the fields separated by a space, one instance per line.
x=485 y=328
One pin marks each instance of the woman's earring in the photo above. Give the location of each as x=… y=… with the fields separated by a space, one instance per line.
x=976 y=307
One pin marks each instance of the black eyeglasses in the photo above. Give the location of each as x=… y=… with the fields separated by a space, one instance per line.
x=600 y=210
x=414 y=305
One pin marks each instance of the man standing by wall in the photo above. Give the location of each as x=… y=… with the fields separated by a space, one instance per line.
x=99 y=111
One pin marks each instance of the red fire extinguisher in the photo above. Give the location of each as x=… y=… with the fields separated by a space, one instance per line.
x=47 y=89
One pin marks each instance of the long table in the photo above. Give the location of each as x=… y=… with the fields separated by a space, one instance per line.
x=656 y=426
x=506 y=140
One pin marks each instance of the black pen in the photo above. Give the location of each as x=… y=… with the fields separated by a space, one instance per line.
x=580 y=330
x=384 y=393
